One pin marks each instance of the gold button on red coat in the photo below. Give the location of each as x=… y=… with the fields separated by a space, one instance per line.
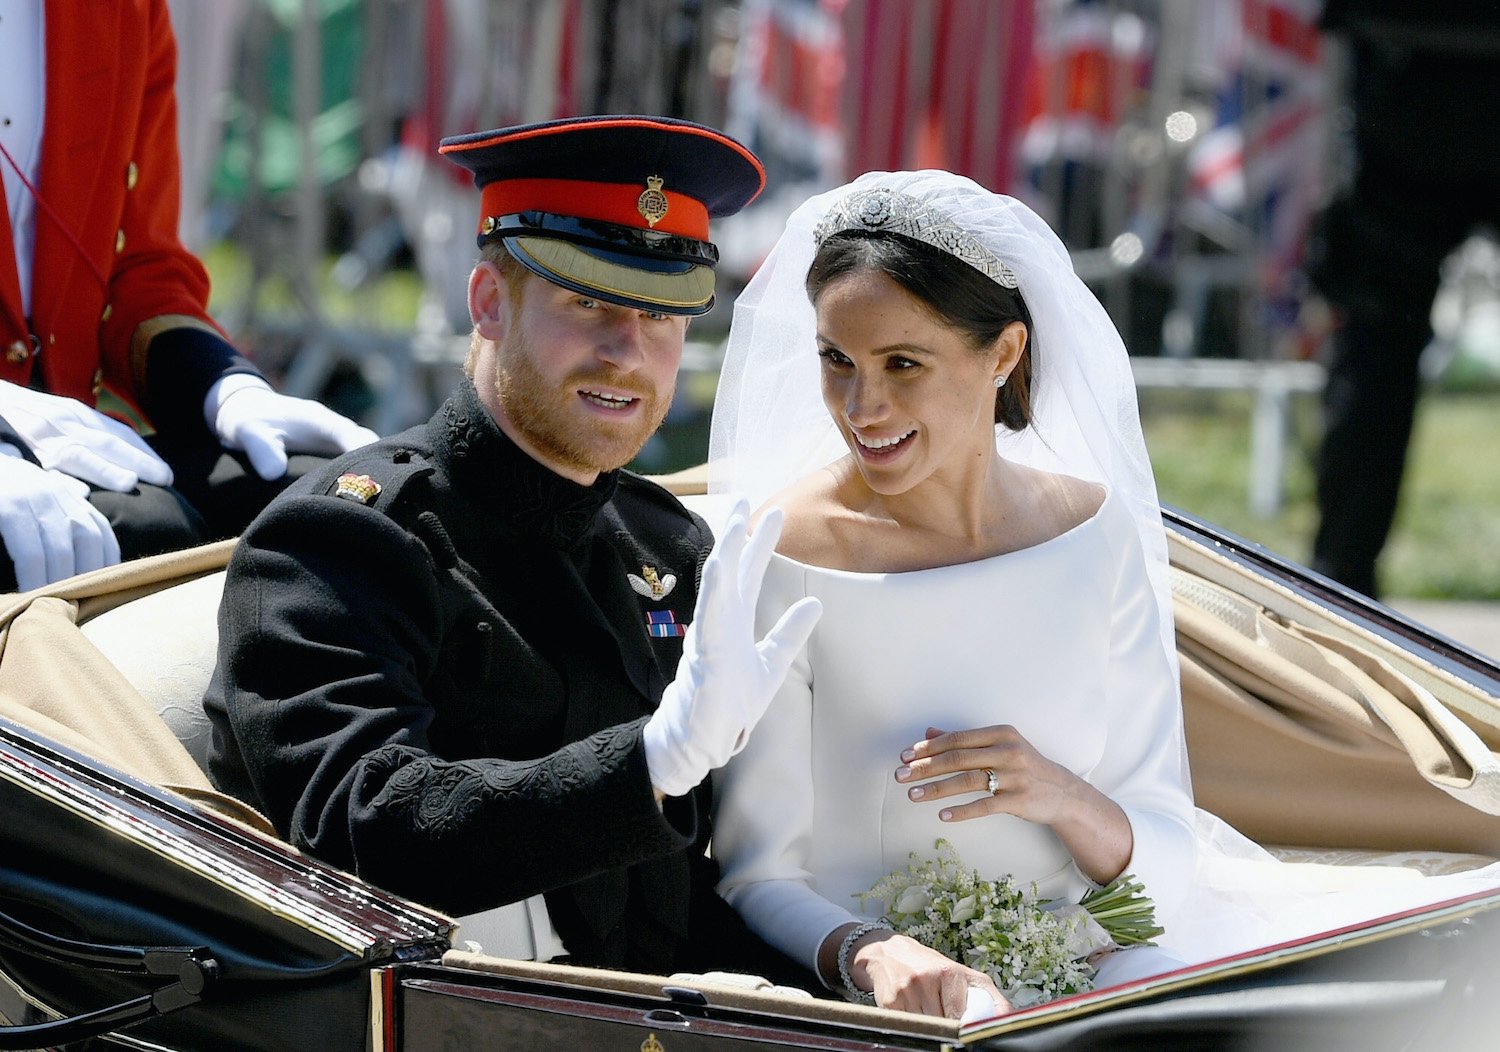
x=119 y=241
x=132 y=174
x=17 y=353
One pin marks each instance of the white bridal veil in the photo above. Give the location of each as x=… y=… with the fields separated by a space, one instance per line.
x=769 y=424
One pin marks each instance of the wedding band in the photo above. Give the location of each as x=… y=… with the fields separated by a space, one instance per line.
x=993 y=785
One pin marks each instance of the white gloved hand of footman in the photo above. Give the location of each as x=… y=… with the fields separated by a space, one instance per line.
x=66 y=435
x=245 y=414
x=50 y=529
x=726 y=677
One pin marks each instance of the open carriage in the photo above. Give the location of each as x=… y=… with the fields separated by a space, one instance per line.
x=135 y=903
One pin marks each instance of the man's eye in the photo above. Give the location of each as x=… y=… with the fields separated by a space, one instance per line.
x=655 y=315
x=584 y=301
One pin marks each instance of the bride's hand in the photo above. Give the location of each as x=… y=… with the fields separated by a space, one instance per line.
x=910 y=977
x=1091 y=826
x=958 y=764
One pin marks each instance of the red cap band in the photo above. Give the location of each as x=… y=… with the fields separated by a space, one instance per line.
x=617 y=203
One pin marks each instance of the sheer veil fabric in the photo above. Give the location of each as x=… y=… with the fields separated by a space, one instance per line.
x=770 y=427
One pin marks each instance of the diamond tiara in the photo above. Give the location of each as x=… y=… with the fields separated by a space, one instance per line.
x=891 y=211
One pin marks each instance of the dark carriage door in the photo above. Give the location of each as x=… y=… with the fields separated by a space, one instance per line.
x=446 y=1008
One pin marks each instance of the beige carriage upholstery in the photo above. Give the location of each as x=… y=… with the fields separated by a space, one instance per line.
x=114 y=663
x=1305 y=731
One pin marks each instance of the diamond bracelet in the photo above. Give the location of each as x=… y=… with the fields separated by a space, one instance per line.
x=854 y=993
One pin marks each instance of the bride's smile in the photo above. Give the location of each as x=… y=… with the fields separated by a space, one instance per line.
x=912 y=396
x=875 y=448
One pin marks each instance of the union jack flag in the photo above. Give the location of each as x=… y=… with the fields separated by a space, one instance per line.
x=1262 y=161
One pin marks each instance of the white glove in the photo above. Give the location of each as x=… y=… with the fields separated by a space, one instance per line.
x=78 y=440
x=246 y=414
x=726 y=678
x=50 y=529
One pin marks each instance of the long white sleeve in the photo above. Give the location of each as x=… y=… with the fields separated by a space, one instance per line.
x=1143 y=767
x=763 y=816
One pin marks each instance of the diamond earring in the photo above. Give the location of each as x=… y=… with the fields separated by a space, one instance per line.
x=1000 y=381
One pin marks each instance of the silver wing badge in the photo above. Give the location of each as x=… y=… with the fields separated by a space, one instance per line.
x=651 y=585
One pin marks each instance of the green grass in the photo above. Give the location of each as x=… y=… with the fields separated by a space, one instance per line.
x=1446 y=540
x=386 y=304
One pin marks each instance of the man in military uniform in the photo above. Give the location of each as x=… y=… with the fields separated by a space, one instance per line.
x=479 y=664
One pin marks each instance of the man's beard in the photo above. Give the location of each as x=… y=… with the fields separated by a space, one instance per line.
x=546 y=419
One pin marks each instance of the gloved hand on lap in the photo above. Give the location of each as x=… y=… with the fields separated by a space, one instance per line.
x=50 y=529
x=76 y=439
x=246 y=414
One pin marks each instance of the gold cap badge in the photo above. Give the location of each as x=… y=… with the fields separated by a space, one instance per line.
x=652 y=204
x=651 y=1044
x=357 y=487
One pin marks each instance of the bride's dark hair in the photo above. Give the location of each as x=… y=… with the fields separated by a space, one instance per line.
x=973 y=304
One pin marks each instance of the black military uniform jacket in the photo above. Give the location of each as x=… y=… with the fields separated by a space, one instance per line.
x=436 y=676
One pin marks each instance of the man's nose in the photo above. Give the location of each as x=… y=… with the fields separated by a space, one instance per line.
x=624 y=341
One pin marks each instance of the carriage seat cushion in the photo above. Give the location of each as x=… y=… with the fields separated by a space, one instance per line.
x=166 y=644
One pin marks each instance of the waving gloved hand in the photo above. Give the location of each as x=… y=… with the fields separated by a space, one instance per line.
x=67 y=436
x=50 y=529
x=246 y=414
x=726 y=678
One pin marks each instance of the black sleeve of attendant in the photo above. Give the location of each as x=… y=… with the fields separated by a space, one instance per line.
x=330 y=624
x=181 y=365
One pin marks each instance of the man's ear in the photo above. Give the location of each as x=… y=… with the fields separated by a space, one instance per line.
x=489 y=301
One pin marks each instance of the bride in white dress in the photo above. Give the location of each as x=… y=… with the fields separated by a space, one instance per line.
x=998 y=592
x=995 y=666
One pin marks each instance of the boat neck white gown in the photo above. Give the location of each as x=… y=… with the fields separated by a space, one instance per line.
x=1060 y=640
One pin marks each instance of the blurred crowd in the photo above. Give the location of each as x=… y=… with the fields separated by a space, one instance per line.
x=1185 y=150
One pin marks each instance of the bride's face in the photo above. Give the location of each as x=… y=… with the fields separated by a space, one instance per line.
x=912 y=397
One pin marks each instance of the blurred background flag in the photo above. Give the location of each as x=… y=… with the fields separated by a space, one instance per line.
x=1091 y=63
x=937 y=85
x=784 y=101
x=1261 y=162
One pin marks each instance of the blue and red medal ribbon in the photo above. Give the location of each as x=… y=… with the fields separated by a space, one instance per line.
x=663 y=623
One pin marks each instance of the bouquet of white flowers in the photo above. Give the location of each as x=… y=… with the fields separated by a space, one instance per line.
x=1034 y=950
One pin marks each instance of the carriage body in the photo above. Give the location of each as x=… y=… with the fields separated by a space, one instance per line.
x=95 y=857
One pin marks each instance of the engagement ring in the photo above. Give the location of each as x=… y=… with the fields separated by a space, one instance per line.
x=993 y=785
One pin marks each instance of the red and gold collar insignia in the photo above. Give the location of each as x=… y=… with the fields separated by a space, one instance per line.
x=357 y=487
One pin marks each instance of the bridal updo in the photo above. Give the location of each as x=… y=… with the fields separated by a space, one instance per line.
x=974 y=305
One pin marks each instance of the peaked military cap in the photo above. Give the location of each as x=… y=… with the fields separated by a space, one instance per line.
x=613 y=206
